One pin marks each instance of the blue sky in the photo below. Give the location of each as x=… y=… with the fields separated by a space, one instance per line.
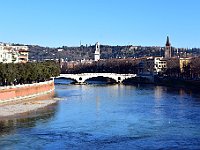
x=114 y=22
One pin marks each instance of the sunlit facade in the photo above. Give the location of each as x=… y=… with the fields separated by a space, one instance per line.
x=13 y=54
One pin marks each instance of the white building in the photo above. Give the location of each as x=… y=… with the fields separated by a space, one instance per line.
x=13 y=54
x=160 y=64
x=97 y=52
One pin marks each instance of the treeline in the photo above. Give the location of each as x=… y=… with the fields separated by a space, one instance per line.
x=27 y=73
x=104 y=66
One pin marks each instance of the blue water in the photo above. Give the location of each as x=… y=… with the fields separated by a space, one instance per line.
x=100 y=116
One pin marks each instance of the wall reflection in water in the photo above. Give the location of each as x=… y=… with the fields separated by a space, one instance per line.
x=27 y=120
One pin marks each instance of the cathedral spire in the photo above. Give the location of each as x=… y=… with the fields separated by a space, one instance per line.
x=168 y=43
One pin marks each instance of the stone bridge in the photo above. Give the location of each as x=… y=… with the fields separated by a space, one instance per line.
x=81 y=78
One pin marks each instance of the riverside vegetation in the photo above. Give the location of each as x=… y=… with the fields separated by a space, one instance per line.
x=173 y=75
x=27 y=73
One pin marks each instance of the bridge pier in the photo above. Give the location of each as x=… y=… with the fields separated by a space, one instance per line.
x=119 y=80
x=80 y=83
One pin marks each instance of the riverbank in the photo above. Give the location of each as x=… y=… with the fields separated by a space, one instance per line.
x=166 y=81
x=178 y=83
x=20 y=99
x=25 y=107
x=26 y=91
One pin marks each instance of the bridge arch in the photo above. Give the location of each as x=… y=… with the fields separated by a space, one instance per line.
x=68 y=78
x=103 y=77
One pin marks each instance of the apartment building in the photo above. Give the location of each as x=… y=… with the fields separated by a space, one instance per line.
x=13 y=54
x=160 y=64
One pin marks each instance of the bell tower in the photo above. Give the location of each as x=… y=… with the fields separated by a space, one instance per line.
x=97 y=52
x=168 y=50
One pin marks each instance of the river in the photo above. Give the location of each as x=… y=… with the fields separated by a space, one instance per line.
x=102 y=116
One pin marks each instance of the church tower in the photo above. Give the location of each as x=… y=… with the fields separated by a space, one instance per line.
x=168 y=49
x=97 y=52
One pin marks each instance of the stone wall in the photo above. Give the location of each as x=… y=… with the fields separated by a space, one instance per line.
x=12 y=93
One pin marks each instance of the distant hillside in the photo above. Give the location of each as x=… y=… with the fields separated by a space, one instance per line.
x=87 y=52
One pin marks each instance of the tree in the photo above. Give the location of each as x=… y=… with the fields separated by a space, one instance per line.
x=28 y=72
x=173 y=68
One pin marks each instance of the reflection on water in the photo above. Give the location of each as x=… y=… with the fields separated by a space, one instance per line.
x=158 y=90
x=111 y=117
x=97 y=103
x=11 y=125
x=29 y=119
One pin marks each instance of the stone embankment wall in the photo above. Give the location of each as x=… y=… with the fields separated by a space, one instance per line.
x=19 y=92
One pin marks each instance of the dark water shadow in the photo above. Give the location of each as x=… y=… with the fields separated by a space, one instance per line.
x=27 y=120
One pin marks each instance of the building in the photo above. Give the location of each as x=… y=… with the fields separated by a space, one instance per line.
x=13 y=54
x=152 y=65
x=160 y=64
x=87 y=61
x=23 y=55
x=97 y=52
x=168 y=49
x=146 y=65
x=184 y=62
x=7 y=54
